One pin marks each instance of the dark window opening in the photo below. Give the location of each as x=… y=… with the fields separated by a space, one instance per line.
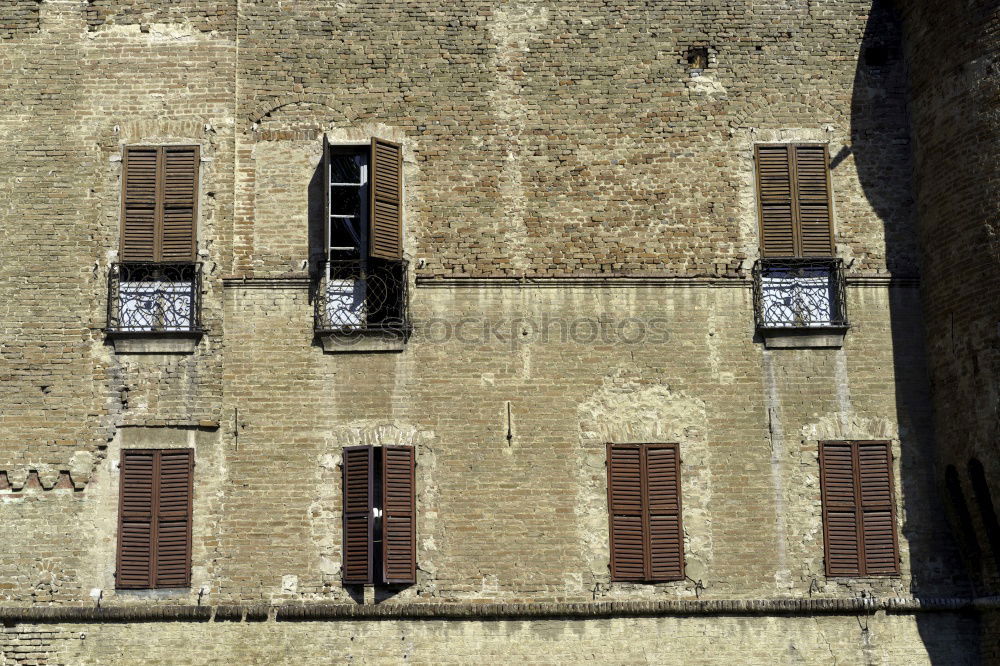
x=697 y=57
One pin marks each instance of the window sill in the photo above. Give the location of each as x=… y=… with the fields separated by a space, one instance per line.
x=803 y=338
x=155 y=342
x=360 y=342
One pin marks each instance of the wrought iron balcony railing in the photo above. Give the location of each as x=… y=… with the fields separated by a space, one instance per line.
x=356 y=296
x=154 y=298
x=799 y=293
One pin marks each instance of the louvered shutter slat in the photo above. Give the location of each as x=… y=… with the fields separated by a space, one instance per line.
x=135 y=525
x=628 y=534
x=840 y=510
x=139 y=191
x=878 y=514
x=399 y=562
x=180 y=185
x=358 y=478
x=173 y=527
x=386 y=237
x=775 y=193
x=813 y=199
x=666 y=536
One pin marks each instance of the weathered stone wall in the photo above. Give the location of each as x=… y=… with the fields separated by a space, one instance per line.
x=539 y=139
x=874 y=639
x=955 y=53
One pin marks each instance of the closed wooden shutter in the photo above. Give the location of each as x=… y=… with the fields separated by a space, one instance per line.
x=135 y=520
x=645 y=512
x=159 y=203
x=663 y=493
x=173 y=518
x=812 y=201
x=793 y=188
x=139 y=197
x=858 y=509
x=358 y=519
x=154 y=537
x=399 y=535
x=386 y=210
x=180 y=186
x=878 y=514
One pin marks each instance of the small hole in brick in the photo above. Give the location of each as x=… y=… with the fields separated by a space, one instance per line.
x=759 y=48
x=697 y=57
x=876 y=56
x=46 y=389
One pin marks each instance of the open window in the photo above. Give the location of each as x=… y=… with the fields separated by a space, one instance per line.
x=361 y=295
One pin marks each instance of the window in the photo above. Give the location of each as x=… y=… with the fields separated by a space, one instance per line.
x=363 y=276
x=379 y=515
x=859 y=513
x=798 y=283
x=156 y=285
x=154 y=519
x=644 y=506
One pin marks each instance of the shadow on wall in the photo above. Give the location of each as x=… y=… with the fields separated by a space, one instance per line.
x=882 y=151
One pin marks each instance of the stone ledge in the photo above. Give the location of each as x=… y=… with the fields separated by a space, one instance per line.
x=155 y=343
x=467 y=611
x=803 y=338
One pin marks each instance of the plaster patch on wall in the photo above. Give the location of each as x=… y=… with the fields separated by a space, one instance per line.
x=625 y=410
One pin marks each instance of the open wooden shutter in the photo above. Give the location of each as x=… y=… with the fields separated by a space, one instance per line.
x=841 y=520
x=812 y=195
x=173 y=518
x=663 y=502
x=139 y=197
x=386 y=209
x=881 y=553
x=135 y=520
x=628 y=538
x=154 y=528
x=180 y=188
x=774 y=187
x=159 y=203
x=793 y=188
x=399 y=534
x=358 y=519
x=327 y=179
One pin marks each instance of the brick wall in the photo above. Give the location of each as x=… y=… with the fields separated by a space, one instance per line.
x=539 y=140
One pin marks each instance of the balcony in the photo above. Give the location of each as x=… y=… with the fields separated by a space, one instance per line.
x=800 y=302
x=154 y=307
x=361 y=305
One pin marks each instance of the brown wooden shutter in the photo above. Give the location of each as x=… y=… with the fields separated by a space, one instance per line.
x=135 y=520
x=358 y=519
x=628 y=542
x=644 y=503
x=399 y=534
x=139 y=197
x=179 y=201
x=881 y=554
x=173 y=518
x=774 y=187
x=812 y=199
x=858 y=511
x=840 y=511
x=663 y=501
x=793 y=189
x=154 y=536
x=159 y=203
x=386 y=209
